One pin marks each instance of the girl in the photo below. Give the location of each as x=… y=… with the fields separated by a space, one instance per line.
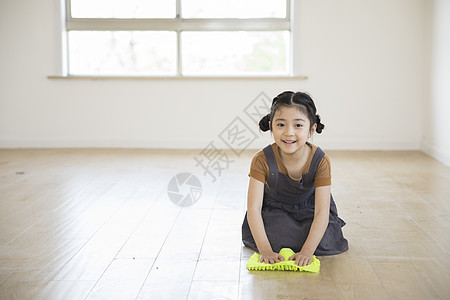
x=289 y=195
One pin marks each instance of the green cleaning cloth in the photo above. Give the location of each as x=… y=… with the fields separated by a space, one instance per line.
x=286 y=265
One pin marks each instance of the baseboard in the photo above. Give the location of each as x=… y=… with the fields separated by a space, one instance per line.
x=190 y=143
x=436 y=153
x=100 y=143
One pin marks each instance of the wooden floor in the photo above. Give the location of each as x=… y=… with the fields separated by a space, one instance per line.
x=99 y=224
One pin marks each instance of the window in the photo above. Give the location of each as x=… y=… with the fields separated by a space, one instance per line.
x=178 y=37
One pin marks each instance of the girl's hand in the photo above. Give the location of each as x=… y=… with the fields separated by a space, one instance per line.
x=271 y=258
x=301 y=259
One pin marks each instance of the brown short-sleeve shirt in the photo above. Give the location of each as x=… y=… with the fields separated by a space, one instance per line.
x=259 y=168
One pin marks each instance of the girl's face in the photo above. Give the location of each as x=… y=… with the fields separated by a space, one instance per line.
x=291 y=129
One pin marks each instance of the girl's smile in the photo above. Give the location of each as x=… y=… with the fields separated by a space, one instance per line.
x=288 y=142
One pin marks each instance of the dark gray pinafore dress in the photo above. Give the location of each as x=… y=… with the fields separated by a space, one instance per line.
x=288 y=212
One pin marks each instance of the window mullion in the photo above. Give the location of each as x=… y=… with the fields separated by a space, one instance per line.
x=178 y=24
x=288 y=9
x=179 y=57
x=68 y=10
x=122 y=24
x=178 y=8
x=235 y=24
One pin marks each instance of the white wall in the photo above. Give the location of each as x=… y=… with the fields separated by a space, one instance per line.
x=436 y=136
x=364 y=61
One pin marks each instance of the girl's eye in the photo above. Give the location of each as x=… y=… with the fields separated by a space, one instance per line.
x=298 y=125
x=280 y=124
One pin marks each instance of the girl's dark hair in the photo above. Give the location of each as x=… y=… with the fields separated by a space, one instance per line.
x=302 y=100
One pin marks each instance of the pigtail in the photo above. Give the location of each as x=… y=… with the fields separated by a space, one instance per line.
x=264 y=124
x=320 y=126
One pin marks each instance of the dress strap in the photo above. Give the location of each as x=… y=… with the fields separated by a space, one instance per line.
x=273 y=167
x=316 y=160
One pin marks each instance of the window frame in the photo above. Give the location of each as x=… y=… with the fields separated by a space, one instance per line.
x=178 y=25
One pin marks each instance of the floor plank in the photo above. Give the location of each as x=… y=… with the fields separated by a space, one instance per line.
x=99 y=224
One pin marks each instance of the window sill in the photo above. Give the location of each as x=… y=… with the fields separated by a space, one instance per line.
x=72 y=77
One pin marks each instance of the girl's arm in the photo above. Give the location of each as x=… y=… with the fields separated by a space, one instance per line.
x=255 y=222
x=318 y=226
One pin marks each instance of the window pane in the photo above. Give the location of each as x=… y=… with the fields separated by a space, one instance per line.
x=235 y=53
x=122 y=53
x=233 y=8
x=123 y=9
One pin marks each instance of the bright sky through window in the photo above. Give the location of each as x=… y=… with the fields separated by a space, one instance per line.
x=222 y=39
